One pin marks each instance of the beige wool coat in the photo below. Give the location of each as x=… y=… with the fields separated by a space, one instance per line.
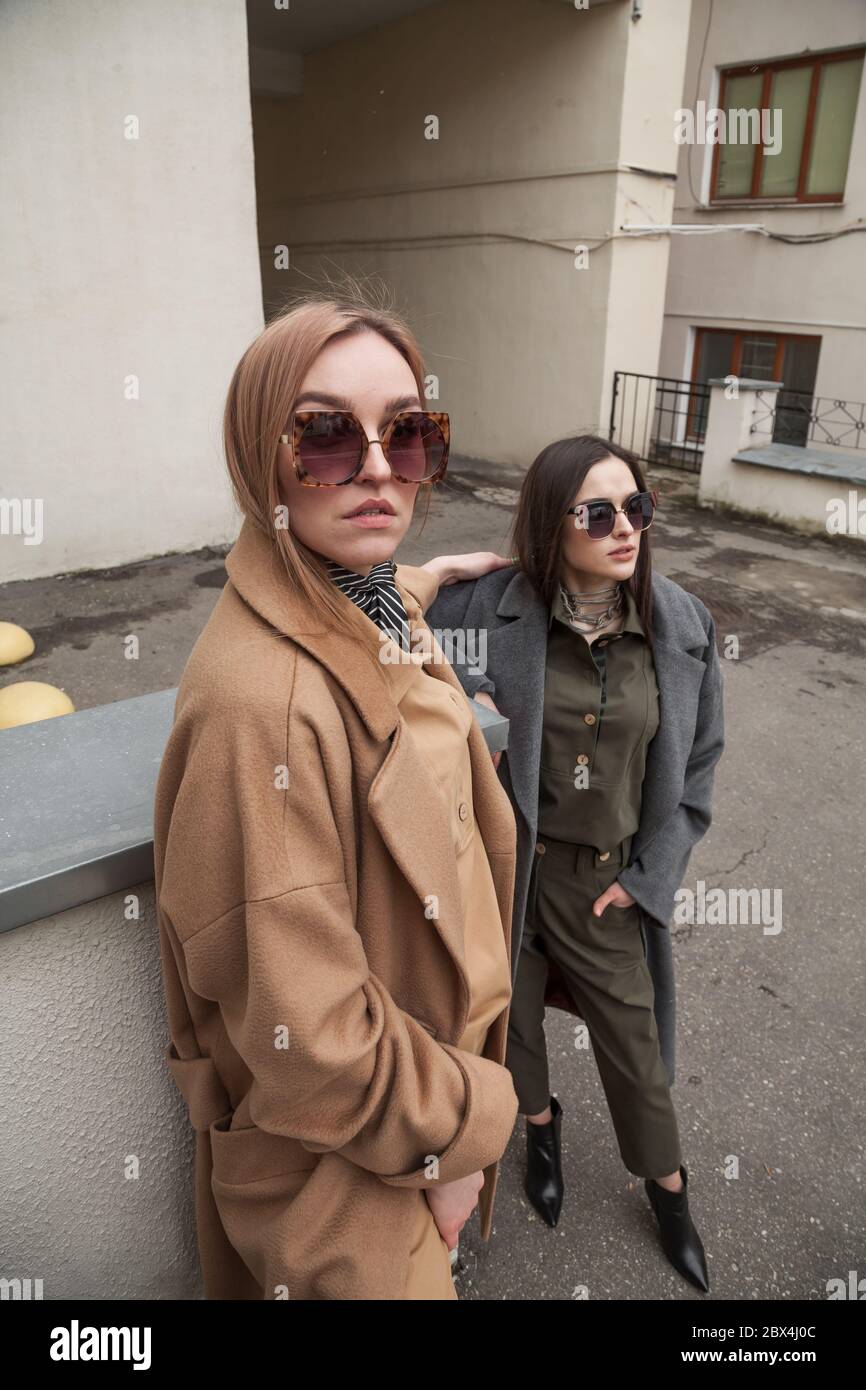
x=312 y=946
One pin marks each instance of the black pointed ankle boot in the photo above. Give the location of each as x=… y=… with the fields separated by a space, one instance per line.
x=680 y=1240
x=543 y=1181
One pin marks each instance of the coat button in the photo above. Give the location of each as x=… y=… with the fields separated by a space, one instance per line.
x=589 y=719
x=606 y=855
x=539 y=848
x=463 y=810
x=582 y=758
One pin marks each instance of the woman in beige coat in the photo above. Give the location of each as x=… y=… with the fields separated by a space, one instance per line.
x=334 y=851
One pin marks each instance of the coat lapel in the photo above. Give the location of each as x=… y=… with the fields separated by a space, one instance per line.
x=394 y=801
x=678 y=677
x=404 y=781
x=521 y=645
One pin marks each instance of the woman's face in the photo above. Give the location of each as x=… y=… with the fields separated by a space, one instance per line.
x=362 y=373
x=613 y=558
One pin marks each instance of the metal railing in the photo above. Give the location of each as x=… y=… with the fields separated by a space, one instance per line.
x=663 y=419
x=795 y=417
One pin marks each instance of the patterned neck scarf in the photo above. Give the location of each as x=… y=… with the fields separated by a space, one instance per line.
x=377 y=595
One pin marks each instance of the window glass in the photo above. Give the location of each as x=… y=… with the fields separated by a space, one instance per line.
x=800 y=364
x=715 y=355
x=789 y=94
x=793 y=412
x=834 y=125
x=759 y=358
x=736 y=161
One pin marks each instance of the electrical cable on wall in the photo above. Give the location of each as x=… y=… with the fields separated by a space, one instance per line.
x=627 y=232
x=695 y=229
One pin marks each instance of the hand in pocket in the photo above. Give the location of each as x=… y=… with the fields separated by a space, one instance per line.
x=614 y=896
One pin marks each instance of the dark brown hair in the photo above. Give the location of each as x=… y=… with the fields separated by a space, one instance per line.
x=545 y=497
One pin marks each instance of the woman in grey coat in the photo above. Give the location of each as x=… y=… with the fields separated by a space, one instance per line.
x=611 y=682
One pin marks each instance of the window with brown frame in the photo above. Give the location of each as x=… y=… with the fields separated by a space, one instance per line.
x=817 y=96
x=756 y=356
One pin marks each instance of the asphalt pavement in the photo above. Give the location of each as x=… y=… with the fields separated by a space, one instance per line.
x=770 y=1092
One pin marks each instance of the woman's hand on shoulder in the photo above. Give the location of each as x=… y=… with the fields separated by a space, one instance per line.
x=451 y=569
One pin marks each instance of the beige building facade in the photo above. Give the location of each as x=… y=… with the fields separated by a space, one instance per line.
x=509 y=169
x=179 y=181
x=480 y=157
x=748 y=302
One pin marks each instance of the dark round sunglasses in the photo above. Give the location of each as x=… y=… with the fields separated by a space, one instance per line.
x=329 y=446
x=598 y=516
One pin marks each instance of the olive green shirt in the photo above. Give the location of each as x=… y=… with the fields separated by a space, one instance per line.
x=600 y=713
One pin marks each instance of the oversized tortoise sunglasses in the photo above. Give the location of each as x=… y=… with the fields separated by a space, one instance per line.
x=329 y=446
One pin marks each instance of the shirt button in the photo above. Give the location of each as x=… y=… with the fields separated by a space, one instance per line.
x=463 y=810
x=589 y=719
x=606 y=855
x=582 y=758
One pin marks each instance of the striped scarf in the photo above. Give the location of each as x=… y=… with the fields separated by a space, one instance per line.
x=377 y=595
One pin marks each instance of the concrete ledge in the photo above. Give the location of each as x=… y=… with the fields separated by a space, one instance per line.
x=844 y=468
x=77 y=793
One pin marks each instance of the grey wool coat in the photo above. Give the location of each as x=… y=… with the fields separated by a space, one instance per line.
x=503 y=609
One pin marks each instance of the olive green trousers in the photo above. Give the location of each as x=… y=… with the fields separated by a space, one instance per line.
x=603 y=963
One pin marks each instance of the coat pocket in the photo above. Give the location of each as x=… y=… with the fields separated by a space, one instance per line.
x=256 y=1180
x=250 y=1155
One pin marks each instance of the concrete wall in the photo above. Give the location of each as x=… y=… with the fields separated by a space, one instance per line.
x=814 y=490
x=743 y=280
x=96 y=1146
x=96 y=1149
x=654 y=62
x=122 y=258
x=541 y=109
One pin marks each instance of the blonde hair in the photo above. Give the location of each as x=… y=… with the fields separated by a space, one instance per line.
x=260 y=404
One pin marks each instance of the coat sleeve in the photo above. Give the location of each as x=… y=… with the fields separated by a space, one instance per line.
x=654 y=876
x=446 y=616
x=334 y=1062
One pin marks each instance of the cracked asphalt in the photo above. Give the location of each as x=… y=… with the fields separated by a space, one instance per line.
x=770 y=1091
